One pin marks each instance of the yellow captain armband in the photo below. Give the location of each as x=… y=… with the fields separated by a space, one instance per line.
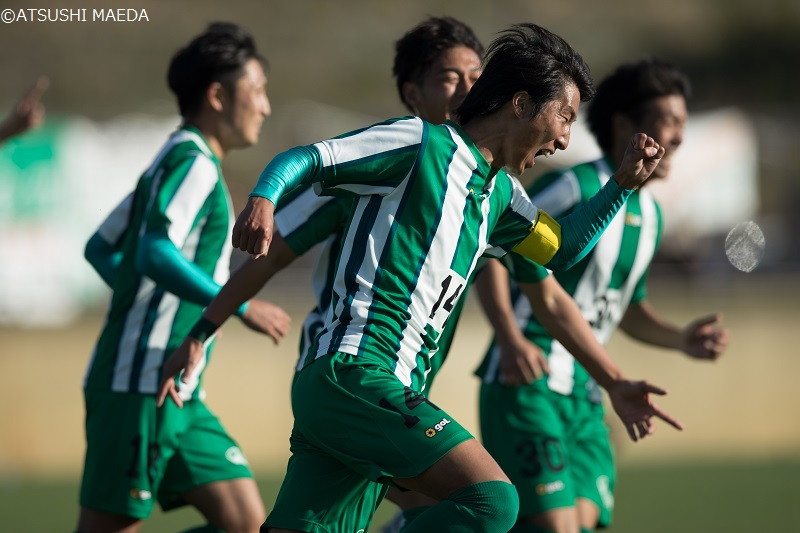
x=543 y=242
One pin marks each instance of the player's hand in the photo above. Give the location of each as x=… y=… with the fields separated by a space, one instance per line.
x=705 y=338
x=28 y=112
x=267 y=318
x=632 y=403
x=642 y=156
x=186 y=358
x=252 y=232
x=521 y=362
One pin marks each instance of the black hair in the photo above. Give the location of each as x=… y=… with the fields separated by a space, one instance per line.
x=628 y=90
x=420 y=46
x=529 y=58
x=217 y=55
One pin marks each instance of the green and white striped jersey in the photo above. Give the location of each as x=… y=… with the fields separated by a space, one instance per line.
x=428 y=206
x=182 y=194
x=603 y=284
x=305 y=219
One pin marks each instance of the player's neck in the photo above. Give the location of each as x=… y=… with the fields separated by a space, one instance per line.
x=209 y=132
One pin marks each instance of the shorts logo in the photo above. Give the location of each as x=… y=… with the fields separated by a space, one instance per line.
x=141 y=494
x=431 y=432
x=604 y=488
x=235 y=456
x=549 y=488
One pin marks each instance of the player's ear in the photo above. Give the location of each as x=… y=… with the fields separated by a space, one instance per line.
x=216 y=96
x=412 y=95
x=521 y=103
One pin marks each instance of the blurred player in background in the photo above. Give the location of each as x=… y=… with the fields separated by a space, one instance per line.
x=27 y=113
x=165 y=251
x=340 y=449
x=548 y=434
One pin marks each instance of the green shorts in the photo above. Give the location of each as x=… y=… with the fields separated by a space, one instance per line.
x=356 y=427
x=554 y=448
x=136 y=452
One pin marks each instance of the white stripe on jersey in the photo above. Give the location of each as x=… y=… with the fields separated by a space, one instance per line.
x=297 y=212
x=520 y=203
x=192 y=193
x=157 y=343
x=596 y=278
x=116 y=223
x=404 y=133
x=129 y=338
x=436 y=266
x=365 y=277
x=563 y=194
x=222 y=271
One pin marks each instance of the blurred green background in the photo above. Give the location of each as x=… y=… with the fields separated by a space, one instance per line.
x=735 y=468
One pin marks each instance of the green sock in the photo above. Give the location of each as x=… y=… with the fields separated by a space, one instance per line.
x=488 y=506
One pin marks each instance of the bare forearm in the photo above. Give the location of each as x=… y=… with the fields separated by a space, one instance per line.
x=643 y=323
x=248 y=280
x=492 y=286
x=562 y=318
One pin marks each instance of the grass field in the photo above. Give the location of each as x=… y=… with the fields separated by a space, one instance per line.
x=685 y=498
x=721 y=474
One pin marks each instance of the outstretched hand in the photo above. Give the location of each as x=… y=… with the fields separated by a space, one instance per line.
x=267 y=318
x=252 y=232
x=186 y=358
x=705 y=338
x=632 y=403
x=642 y=156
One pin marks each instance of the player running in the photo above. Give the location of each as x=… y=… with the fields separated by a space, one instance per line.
x=164 y=251
x=549 y=434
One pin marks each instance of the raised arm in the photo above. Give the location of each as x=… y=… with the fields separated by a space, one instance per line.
x=571 y=237
x=364 y=162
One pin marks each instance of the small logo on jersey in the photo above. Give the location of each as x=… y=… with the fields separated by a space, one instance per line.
x=235 y=456
x=431 y=432
x=633 y=220
x=549 y=488
x=604 y=488
x=141 y=494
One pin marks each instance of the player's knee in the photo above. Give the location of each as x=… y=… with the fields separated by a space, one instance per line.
x=492 y=505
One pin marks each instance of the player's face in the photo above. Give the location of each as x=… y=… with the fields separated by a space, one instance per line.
x=544 y=133
x=445 y=85
x=249 y=108
x=664 y=119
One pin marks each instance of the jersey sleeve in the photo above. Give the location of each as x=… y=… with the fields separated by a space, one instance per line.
x=180 y=199
x=514 y=224
x=370 y=161
x=103 y=249
x=305 y=219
